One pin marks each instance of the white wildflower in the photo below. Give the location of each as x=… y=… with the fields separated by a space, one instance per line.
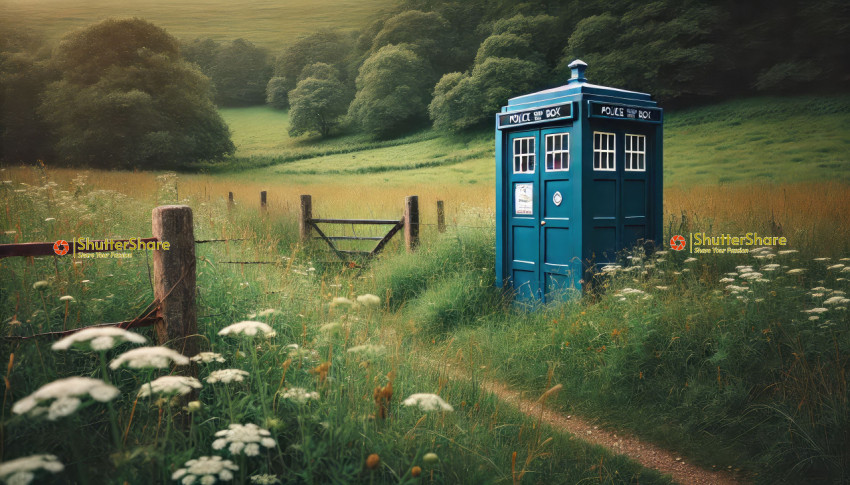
x=662 y=288
x=835 y=267
x=629 y=291
x=299 y=395
x=611 y=268
x=227 y=376
x=836 y=300
x=264 y=479
x=821 y=259
x=796 y=271
x=170 y=385
x=207 y=358
x=159 y=357
x=206 y=469
x=751 y=275
x=67 y=393
x=846 y=269
x=736 y=288
x=342 y=302
x=691 y=260
x=368 y=350
x=101 y=338
x=816 y=310
x=66 y=298
x=50 y=219
x=249 y=328
x=727 y=280
x=820 y=288
x=40 y=285
x=770 y=267
x=428 y=402
x=21 y=471
x=814 y=317
x=785 y=252
x=243 y=438
x=369 y=300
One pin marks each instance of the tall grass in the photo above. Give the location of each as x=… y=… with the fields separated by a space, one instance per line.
x=343 y=354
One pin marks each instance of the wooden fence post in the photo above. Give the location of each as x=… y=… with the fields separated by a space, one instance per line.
x=304 y=222
x=263 y=206
x=230 y=201
x=411 y=222
x=174 y=278
x=441 y=217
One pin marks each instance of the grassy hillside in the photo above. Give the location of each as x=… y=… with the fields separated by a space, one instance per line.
x=759 y=139
x=268 y=23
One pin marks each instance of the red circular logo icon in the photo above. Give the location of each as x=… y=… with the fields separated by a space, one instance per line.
x=61 y=247
x=677 y=243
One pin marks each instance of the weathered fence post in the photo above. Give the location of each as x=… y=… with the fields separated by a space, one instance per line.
x=263 y=206
x=304 y=222
x=411 y=222
x=441 y=217
x=230 y=201
x=174 y=278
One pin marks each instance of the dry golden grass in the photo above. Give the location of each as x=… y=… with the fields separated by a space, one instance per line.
x=813 y=216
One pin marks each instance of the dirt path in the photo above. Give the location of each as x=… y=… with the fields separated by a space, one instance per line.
x=642 y=452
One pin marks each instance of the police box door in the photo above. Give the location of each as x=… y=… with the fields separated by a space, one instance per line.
x=619 y=189
x=543 y=255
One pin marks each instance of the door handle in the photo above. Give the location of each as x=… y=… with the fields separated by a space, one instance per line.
x=542 y=223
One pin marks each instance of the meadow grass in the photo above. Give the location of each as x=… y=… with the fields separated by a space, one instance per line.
x=267 y=23
x=344 y=354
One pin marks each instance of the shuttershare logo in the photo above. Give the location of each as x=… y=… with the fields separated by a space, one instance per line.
x=61 y=247
x=677 y=243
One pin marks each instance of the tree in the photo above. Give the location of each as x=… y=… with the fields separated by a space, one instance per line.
x=426 y=34
x=326 y=46
x=318 y=102
x=456 y=103
x=24 y=137
x=240 y=74
x=276 y=94
x=126 y=100
x=393 y=89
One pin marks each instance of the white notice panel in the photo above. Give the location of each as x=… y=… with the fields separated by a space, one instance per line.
x=524 y=199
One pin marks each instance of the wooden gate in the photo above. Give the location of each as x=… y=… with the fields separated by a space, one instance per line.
x=409 y=222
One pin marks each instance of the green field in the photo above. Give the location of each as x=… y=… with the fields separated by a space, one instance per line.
x=268 y=23
x=756 y=140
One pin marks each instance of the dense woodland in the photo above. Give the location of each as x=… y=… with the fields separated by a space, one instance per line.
x=126 y=94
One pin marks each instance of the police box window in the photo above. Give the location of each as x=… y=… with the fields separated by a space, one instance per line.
x=524 y=155
x=557 y=152
x=604 y=150
x=635 y=153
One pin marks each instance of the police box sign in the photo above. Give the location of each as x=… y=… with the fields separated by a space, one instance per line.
x=537 y=115
x=625 y=112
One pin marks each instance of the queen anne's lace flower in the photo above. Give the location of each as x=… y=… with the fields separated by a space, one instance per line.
x=341 y=302
x=159 y=357
x=249 y=328
x=369 y=300
x=103 y=338
x=299 y=395
x=207 y=357
x=21 y=471
x=264 y=479
x=243 y=438
x=206 y=470
x=227 y=376
x=428 y=402
x=66 y=394
x=367 y=350
x=170 y=385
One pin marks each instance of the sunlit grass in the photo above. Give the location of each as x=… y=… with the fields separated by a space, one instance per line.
x=268 y=23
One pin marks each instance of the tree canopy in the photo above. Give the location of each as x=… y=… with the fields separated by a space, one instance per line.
x=393 y=90
x=318 y=101
x=125 y=99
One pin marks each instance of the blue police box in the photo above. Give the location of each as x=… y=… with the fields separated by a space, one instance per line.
x=578 y=179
